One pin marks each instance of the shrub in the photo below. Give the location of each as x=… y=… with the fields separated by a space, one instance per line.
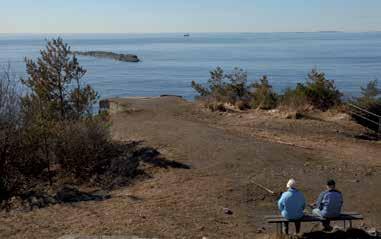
x=370 y=94
x=9 y=96
x=263 y=96
x=320 y=92
x=225 y=88
x=294 y=99
x=10 y=140
x=81 y=146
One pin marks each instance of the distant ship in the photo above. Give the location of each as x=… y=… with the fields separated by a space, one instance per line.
x=187 y=35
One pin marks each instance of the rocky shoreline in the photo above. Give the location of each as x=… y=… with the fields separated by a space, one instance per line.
x=109 y=55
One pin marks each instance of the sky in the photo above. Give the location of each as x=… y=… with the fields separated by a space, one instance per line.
x=154 y=16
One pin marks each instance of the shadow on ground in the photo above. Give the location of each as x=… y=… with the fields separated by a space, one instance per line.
x=153 y=157
x=348 y=234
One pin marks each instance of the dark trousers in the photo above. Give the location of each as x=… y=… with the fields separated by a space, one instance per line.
x=286 y=227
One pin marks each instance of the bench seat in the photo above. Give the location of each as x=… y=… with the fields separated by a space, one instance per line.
x=349 y=216
x=346 y=216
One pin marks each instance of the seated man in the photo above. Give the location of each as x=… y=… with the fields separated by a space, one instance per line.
x=329 y=204
x=291 y=205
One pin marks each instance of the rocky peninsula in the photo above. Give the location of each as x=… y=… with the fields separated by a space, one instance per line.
x=109 y=55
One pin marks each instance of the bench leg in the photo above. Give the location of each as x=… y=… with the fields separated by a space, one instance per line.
x=345 y=224
x=280 y=228
x=298 y=225
x=285 y=228
x=350 y=223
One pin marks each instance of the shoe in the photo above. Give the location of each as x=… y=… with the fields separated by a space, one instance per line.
x=327 y=229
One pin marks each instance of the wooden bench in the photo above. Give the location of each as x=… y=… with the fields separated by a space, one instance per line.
x=345 y=217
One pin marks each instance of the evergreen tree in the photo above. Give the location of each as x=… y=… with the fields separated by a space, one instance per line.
x=55 y=81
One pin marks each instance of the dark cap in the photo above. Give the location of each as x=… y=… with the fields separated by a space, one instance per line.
x=331 y=182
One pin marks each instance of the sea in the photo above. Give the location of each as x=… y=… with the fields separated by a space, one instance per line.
x=171 y=61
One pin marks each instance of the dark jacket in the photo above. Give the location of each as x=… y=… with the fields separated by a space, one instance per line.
x=330 y=203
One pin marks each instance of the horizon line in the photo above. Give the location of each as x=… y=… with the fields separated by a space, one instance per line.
x=203 y=32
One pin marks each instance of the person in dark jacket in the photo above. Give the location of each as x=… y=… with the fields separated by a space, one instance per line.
x=329 y=204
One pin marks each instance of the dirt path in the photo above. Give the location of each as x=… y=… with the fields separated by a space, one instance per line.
x=189 y=203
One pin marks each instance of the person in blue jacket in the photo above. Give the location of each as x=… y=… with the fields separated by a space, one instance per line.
x=291 y=205
x=329 y=204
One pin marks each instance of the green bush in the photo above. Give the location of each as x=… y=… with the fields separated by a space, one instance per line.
x=263 y=96
x=294 y=99
x=224 y=88
x=81 y=146
x=317 y=92
x=320 y=92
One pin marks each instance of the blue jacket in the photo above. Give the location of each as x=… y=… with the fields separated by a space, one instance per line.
x=292 y=204
x=330 y=203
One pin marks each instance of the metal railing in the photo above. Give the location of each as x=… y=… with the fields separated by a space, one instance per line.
x=360 y=113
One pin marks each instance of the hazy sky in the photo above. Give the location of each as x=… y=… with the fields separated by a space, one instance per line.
x=123 y=16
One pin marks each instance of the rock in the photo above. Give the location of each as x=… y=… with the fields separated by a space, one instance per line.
x=274 y=111
x=227 y=211
x=34 y=202
x=373 y=231
x=70 y=194
x=48 y=200
x=294 y=115
x=369 y=172
x=102 y=195
x=15 y=203
x=355 y=181
x=109 y=55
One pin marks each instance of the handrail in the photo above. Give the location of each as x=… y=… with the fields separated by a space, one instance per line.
x=364 y=110
x=358 y=114
x=364 y=118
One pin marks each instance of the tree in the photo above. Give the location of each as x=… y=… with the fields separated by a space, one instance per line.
x=320 y=92
x=263 y=96
x=55 y=80
x=227 y=88
x=370 y=94
x=56 y=94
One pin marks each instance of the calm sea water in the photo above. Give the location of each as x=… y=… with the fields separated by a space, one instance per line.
x=171 y=61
